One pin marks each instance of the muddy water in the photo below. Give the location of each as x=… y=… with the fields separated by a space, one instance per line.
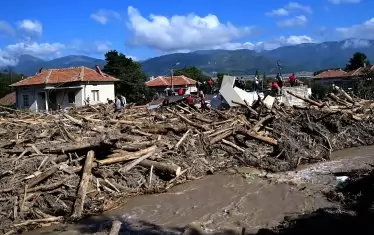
x=233 y=201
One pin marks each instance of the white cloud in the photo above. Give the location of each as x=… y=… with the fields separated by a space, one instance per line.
x=364 y=30
x=6 y=29
x=30 y=28
x=278 y=12
x=298 y=6
x=9 y=55
x=356 y=43
x=103 y=47
x=103 y=16
x=188 y=32
x=344 y=1
x=290 y=7
x=268 y=45
x=292 y=22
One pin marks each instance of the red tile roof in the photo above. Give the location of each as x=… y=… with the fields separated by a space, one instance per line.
x=332 y=74
x=66 y=75
x=166 y=81
x=8 y=100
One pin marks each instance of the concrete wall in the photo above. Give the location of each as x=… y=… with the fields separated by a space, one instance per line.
x=35 y=101
x=288 y=99
x=105 y=91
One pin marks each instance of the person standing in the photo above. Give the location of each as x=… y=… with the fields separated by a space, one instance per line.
x=123 y=101
x=180 y=91
x=256 y=84
x=279 y=80
x=292 y=80
x=275 y=87
x=210 y=82
x=118 y=105
x=202 y=100
x=190 y=101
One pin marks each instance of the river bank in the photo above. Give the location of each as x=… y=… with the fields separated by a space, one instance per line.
x=229 y=201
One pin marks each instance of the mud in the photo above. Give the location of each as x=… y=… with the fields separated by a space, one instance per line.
x=229 y=200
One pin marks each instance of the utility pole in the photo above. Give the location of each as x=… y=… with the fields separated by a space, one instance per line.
x=172 y=85
x=279 y=68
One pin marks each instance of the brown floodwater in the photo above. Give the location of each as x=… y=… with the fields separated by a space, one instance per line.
x=228 y=200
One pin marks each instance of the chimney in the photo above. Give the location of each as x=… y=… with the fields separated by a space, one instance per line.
x=99 y=70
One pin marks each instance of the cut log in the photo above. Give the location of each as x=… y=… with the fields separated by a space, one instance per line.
x=43 y=176
x=116 y=227
x=258 y=125
x=345 y=94
x=220 y=137
x=182 y=139
x=233 y=145
x=162 y=167
x=246 y=105
x=128 y=122
x=49 y=186
x=256 y=136
x=83 y=186
x=312 y=102
x=39 y=221
x=189 y=121
x=127 y=157
x=135 y=162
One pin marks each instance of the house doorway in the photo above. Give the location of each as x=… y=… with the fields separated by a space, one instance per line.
x=52 y=100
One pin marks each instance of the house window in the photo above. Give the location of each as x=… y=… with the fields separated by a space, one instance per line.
x=95 y=95
x=71 y=97
x=25 y=100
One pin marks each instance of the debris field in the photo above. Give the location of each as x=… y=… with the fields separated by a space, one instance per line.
x=62 y=166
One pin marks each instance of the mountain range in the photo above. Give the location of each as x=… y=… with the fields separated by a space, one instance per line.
x=303 y=57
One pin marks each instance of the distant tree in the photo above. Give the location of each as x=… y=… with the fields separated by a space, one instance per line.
x=193 y=73
x=358 y=60
x=219 y=79
x=132 y=79
x=6 y=79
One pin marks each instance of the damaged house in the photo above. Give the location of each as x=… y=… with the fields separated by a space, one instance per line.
x=52 y=89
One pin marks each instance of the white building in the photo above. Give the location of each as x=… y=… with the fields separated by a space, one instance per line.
x=52 y=89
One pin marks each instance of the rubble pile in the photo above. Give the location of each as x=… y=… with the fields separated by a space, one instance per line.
x=66 y=165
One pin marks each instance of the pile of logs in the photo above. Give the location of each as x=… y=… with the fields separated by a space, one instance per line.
x=65 y=165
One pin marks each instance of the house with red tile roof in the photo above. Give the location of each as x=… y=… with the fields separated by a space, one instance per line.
x=161 y=84
x=52 y=89
x=340 y=77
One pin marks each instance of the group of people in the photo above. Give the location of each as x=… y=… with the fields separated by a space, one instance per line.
x=120 y=103
x=191 y=100
x=278 y=83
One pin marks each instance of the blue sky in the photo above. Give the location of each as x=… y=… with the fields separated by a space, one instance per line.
x=143 y=29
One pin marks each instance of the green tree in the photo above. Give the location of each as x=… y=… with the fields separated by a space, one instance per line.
x=132 y=79
x=193 y=73
x=219 y=80
x=358 y=60
x=7 y=78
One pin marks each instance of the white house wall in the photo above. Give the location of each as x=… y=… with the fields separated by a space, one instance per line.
x=35 y=102
x=106 y=91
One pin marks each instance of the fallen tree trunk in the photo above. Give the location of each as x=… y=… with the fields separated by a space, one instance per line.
x=162 y=167
x=262 y=138
x=312 y=102
x=83 y=186
x=127 y=157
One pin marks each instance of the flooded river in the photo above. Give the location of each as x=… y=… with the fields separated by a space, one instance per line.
x=229 y=200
